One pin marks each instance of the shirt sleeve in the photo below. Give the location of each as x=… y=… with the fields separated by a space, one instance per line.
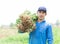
x=49 y=35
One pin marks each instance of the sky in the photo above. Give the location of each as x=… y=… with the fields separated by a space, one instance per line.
x=11 y=9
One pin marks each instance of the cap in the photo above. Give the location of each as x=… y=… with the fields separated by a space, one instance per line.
x=42 y=9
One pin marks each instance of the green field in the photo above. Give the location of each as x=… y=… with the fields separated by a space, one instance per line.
x=12 y=37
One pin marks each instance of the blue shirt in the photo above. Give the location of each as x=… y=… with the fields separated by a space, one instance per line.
x=41 y=34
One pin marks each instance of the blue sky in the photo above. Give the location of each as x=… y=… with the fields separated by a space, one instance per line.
x=11 y=9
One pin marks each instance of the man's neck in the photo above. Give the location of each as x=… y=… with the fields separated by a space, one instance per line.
x=40 y=20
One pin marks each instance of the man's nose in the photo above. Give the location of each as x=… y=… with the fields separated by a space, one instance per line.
x=40 y=14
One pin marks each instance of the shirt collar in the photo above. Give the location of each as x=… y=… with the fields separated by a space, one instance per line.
x=42 y=21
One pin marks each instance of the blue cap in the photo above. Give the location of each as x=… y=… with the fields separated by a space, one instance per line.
x=42 y=9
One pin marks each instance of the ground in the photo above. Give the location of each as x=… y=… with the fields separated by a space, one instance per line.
x=11 y=36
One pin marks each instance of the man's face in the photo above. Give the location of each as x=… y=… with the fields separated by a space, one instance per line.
x=41 y=15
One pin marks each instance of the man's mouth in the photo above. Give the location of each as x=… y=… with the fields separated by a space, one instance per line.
x=41 y=16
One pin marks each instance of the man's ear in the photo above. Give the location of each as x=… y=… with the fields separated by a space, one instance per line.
x=45 y=14
x=37 y=12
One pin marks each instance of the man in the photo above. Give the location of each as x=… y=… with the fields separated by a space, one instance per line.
x=43 y=32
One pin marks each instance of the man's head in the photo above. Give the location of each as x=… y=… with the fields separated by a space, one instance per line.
x=41 y=13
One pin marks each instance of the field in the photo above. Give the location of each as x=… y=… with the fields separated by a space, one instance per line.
x=11 y=36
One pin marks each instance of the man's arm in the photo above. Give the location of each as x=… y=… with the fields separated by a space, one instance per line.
x=49 y=35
